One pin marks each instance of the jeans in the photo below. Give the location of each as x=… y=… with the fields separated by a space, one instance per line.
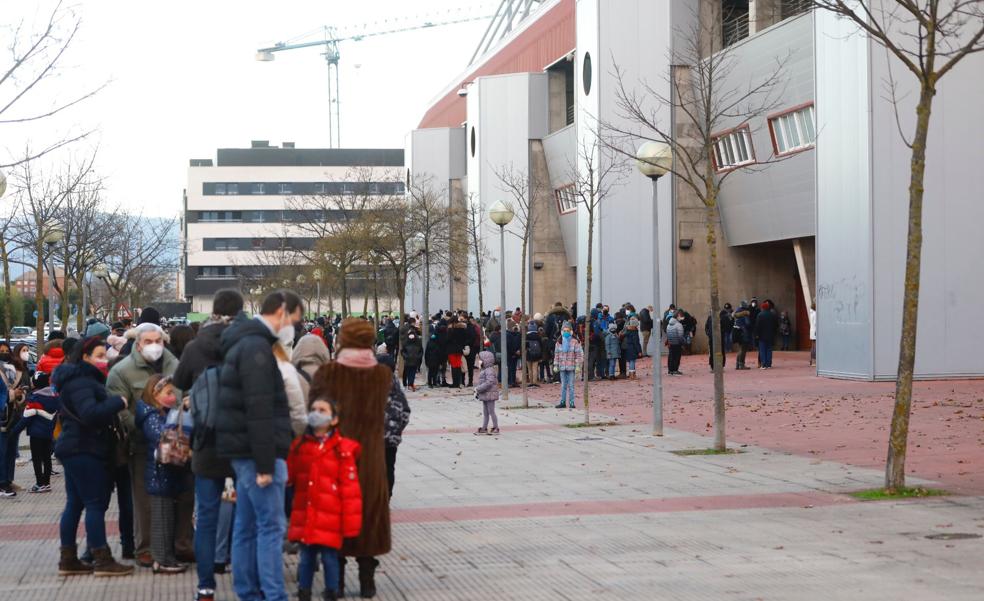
x=765 y=353
x=8 y=457
x=208 y=501
x=409 y=375
x=258 y=534
x=305 y=566
x=86 y=486
x=567 y=387
x=511 y=364
x=601 y=364
x=223 y=535
x=631 y=363
x=727 y=342
x=611 y=366
x=785 y=341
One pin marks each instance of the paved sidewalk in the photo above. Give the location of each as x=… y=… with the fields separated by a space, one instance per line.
x=549 y=512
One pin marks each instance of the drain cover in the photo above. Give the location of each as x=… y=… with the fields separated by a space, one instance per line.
x=953 y=536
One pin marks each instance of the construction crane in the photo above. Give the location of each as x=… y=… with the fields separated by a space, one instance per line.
x=330 y=44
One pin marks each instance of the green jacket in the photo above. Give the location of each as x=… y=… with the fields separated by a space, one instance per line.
x=128 y=379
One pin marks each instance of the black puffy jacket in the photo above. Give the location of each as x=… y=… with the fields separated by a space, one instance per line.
x=253 y=421
x=201 y=353
x=87 y=412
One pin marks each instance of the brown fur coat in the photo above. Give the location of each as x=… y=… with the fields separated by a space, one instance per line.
x=362 y=394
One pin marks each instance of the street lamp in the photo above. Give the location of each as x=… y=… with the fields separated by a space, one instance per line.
x=317 y=282
x=501 y=213
x=654 y=160
x=55 y=235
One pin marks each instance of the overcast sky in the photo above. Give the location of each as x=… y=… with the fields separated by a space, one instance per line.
x=184 y=80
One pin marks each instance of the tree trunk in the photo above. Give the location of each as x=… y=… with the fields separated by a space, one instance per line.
x=899 y=434
x=83 y=310
x=345 y=311
x=720 y=438
x=401 y=292
x=375 y=294
x=522 y=321
x=478 y=268
x=425 y=318
x=8 y=301
x=587 y=317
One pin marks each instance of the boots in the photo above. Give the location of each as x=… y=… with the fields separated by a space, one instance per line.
x=367 y=577
x=329 y=596
x=69 y=564
x=303 y=594
x=105 y=565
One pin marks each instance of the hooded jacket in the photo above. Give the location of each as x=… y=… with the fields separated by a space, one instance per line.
x=254 y=418
x=554 y=322
x=49 y=361
x=87 y=412
x=327 y=504
x=613 y=346
x=674 y=332
x=412 y=349
x=40 y=414
x=308 y=355
x=487 y=387
x=159 y=480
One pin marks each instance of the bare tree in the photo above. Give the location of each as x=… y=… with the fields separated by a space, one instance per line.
x=478 y=251
x=524 y=190
x=42 y=197
x=35 y=58
x=929 y=37
x=430 y=222
x=708 y=100
x=7 y=246
x=594 y=172
x=143 y=254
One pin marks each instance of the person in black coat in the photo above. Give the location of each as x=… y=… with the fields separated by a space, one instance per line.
x=766 y=327
x=253 y=430
x=514 y=343
x=433 y=357
x=474 y=347
x=210 y=470
x=86 y=448
x=726 y=325
x=412 y=349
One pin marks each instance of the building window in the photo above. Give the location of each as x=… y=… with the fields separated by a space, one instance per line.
x=733 y=149
x=286 y=189
x=219 y=215
x=793 y=130
x=566 y=200
x=320 y=188
x=220 y=189
x=586 y=73
x=399 y=188
x=348 y=189
x=257 y=188
x=257 y=243
x=232 y=188
x=223 y=272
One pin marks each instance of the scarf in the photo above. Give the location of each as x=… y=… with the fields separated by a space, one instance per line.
x=565 y=343
x=357 y=357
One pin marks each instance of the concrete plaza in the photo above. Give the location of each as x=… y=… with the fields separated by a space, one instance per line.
x=550 y=512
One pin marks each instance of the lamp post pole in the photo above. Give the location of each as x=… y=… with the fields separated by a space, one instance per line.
x=504 y=376
x=654 y=160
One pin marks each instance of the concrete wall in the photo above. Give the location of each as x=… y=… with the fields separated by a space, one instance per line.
x=554 y=280
x=560 y=150
x=777 y=202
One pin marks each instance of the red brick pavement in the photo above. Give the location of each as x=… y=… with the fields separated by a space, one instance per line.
x=789 y=408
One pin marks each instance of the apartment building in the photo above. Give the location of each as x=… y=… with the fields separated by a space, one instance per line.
x=243 y=211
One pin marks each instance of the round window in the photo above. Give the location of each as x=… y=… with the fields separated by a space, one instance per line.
x=473 y=140
x=586 y=73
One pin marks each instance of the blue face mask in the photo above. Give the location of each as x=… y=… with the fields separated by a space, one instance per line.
x=319 y=420
x=566 y=334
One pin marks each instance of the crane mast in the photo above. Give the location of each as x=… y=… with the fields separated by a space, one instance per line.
x=332 y=55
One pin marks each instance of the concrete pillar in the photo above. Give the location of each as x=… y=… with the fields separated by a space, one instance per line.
x=555 y=280
x=762 y=14
x=458 y=273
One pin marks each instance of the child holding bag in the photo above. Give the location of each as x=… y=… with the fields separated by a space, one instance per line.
x=164 y=480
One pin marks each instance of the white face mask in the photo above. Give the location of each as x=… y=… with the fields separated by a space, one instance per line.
x=286 y=336
x=25 y=356
x=152 y=352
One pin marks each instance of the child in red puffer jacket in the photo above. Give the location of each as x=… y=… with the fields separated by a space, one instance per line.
x=327 y=498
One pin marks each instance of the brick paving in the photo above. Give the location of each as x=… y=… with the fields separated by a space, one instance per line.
x=550 y=512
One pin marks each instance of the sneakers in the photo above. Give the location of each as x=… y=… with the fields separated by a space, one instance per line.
x=205 y=594
x=493 y=431
x=40 y=488
x=169 y=568
x=481 y=431
x=8 y=491
x=560 y=406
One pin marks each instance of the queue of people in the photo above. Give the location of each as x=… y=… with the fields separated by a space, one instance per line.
x=225 y=443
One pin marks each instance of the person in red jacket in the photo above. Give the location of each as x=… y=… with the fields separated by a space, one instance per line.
x=327 y=498
x=52 y=357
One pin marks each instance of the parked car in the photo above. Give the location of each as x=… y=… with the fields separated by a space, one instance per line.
x=17 y=332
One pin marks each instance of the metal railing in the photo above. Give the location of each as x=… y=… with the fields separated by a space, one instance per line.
x=791 y=8
x=734 y=30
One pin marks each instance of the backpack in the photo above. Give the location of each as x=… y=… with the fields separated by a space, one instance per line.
x=204 y=405
x=534 y=352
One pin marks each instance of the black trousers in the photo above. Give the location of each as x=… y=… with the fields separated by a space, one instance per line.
x=470 y=365
x=391 y=467
x=673 y=361
x=41 y=458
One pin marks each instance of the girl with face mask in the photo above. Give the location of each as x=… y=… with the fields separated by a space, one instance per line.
x=164 y=483
x=327 y=504
x=568 y=358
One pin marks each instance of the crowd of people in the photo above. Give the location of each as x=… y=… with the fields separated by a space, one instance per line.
x=224 y=443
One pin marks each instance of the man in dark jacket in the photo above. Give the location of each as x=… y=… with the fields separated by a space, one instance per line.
x=766 y=327
x=210 y=470
x=726 y=325
x=253 y=430
x=646 y=327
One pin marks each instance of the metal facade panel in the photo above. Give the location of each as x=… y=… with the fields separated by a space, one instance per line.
x=844 y=239
x=952 y=275
x=559 y=148
x=776 y=203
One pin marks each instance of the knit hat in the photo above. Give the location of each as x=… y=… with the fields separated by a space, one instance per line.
x=97 y=328
x=357 y=333
x=538 y=317
x=150 y=315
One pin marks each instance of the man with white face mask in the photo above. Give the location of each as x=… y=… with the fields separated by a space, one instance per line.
x=127 y=379
x=253 y=430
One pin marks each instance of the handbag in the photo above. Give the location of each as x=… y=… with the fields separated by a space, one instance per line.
x=466 y=351
x=174 y=447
